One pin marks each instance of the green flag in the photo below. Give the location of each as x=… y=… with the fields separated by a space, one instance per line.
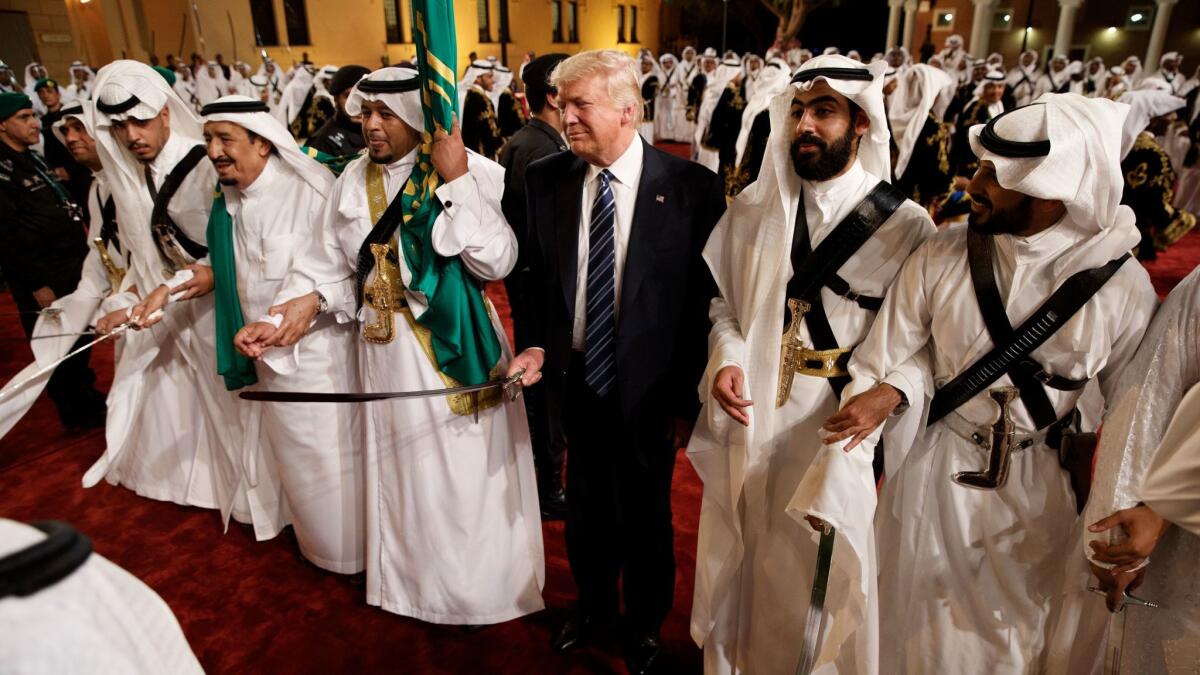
x=464 y=342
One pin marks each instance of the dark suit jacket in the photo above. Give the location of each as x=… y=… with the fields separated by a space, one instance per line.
x=534 y=141
x=662 y=320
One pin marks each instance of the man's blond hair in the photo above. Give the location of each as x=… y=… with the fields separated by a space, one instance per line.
x=618 y=70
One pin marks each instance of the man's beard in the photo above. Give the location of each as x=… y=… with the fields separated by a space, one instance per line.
x=828 y=162
x=381 y=158
x=1007 y=221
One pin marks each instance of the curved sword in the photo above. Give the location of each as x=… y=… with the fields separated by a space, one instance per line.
x=509 y=384
x=816 y=605
x=20 y=385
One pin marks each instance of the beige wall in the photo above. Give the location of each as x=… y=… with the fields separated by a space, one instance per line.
x=342 y=32
x=51 y=26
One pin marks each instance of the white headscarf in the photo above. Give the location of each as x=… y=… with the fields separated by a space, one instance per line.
x=273 y=80
x=210 y=87
x=116 y=84
x=266 y=125
x=1098 y=78
x=406 y=104
x=322 y=77
x=772 y=81
x=1082 y=170
x=83 y=87
x=85 y=114
x=294 y=94
x=1145 y=105
x=477 y=69
x=30 y=82
x=667 y=77
x=911 y=104
x=501 y=80
x=655 y=71
x=1138 y=73
x=873 y=148
x=1021 y=72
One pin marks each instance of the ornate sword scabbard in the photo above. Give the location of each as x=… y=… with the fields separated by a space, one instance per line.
x=115 y=274
x=380 y=295
x=789 y=352
x=1000 y=453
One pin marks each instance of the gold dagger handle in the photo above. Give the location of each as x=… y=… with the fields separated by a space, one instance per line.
x=788 y=353
x=380 y=295
x=115 y=274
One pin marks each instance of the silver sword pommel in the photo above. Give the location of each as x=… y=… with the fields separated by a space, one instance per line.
x=1000 y=452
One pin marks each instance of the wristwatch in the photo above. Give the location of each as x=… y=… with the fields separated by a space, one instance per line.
x=322 y=303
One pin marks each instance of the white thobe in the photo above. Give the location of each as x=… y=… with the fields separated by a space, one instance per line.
x=682 y=76
x=1050 y=82
x=452 y=521
x=708 y=104
x=187 y=91
x=308 y=470
x=968 y=577
x=750 y=608
x=1143 y=435
x=665 y=104
x=99 y=618
x=172 y=428
x=80 y=309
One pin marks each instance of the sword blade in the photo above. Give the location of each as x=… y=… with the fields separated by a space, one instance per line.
x=816 y=606
x=47 y=337
x=363 y=397
x=1112 y=646
x=20 y=385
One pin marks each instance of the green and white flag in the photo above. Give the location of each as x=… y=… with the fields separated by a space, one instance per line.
x=464 y=343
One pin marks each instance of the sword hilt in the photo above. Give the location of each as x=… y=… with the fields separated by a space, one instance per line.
x=788 y=352
x=1000 y=449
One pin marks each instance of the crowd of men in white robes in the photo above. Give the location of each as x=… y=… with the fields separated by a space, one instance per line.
x=978 y=193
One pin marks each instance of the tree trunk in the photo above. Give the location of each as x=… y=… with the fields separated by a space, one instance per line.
x=791 y=23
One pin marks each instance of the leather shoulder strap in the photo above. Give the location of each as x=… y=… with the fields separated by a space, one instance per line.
x=108 y=223
x=389 y=221
x=1011 y=355
x=814 y=270
x=843 y=242
x=162 y=199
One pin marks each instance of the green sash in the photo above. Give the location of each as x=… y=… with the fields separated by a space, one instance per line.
x=238 y=370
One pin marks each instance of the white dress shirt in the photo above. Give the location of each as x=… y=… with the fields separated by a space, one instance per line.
x=627 y=175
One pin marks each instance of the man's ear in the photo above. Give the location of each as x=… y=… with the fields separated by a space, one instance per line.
x=862 y=122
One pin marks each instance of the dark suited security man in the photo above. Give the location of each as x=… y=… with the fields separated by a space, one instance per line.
x=341 y=134
x=43 y=251
x=619 y=333
x=541 y=137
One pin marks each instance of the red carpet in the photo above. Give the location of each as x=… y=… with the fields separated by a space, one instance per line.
x=254 y=607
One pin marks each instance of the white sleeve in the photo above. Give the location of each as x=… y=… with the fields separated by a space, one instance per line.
x=93 y=278
x=473 y=227
x=321 y=265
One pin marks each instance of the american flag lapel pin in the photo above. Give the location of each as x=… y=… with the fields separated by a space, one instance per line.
x=660 y=199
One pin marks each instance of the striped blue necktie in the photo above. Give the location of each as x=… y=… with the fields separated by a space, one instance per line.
x=600 y=367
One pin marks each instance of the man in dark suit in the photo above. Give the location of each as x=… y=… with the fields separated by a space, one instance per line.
x=541 y=137
x=619 y=333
